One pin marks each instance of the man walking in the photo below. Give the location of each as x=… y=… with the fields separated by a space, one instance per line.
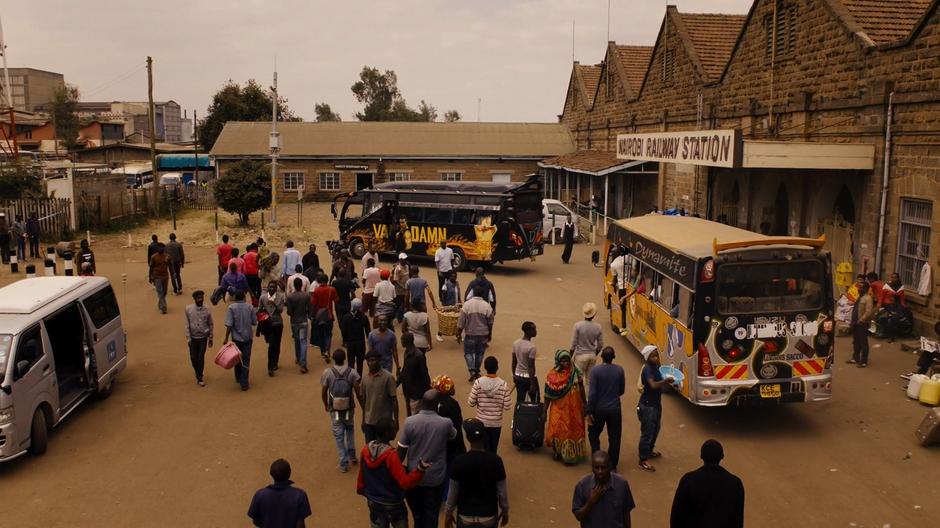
x=160 y=276
x=386 y=299
x=323 y=298
x=414 y=378
x=371 y=276
x=370 y=254
x=310 y=259
x=33 y=232
x=649 y=410
x=152 y=247
x=279 y=505
x=253 y=270
x=475 y=329
x=18 y=231
x=477 y=490
x=602 y=499
x=383 y=480
x=290 y=260
x=444 y=262
x=710 y=496
x=488 y=292
x=587 y=340
x=416 y=288
x=603 y=405
x=382 y=341
x=85 y=255
x=340 y=382
x=862 y=313
x=567 y=236
x=233 y=281
x=224 y=254
x=174 y=252
x=298 y=310
x=240 y=320
x=491 y=397
x=399 y=279
x=424 y=439
x=304 y=281
x=378 y=397
x=354 y=328
x=345 y=294
x=199 y=330
x=523 y=364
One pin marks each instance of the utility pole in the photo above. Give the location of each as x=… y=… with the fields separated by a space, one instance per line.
x=274 y=142
x=153 y=141
x=6 y=73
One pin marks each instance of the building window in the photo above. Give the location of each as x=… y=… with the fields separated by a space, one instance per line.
x=669 y=66
x=913 y=239
x=502 y=177
x=450 y=176
x=399 y=176
x=785 y=32
x=293 y=181
x=329 y=181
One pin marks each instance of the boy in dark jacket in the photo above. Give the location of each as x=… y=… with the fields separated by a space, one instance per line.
x=383 y=479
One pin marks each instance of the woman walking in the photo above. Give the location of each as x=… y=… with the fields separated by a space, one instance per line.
x=270 y=271
x=270 y=308
x=564 y=398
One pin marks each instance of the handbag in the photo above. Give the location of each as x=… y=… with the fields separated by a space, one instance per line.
x=228 y=356
x=263 y=316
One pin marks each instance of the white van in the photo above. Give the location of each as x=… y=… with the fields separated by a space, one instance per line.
x=61 y=341
x=555 y=214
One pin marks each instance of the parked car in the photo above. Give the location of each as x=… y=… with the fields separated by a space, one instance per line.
x=61 y=341
x=554 y=215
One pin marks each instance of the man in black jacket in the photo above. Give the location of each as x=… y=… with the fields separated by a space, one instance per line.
x=710 y=496
x=354 y=327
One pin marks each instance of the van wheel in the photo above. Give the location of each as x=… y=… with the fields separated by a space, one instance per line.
x=105 y=391
x=38 y=433
x=357 y=249
x=460 y=261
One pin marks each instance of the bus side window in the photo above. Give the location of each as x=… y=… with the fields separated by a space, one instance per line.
x=437 y=216
x=412 y=214
x=684 y=314
x=463 y=216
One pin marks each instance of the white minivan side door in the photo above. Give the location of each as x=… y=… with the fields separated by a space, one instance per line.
x=33 y=381
x=103 y=322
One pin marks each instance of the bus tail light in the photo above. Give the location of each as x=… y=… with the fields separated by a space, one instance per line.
x=538 y=237
x=516 y=239
x=708 y=272
x=827 y=326
x=704 y=363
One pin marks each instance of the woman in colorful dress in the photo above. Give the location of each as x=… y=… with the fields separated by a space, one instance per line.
x=564 y=397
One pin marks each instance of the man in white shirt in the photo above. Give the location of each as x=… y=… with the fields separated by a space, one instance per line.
x=444 y=261
x=385 y=298
x=370 y=277
x=290 y=260
x=621 y=270
x=370 y=254
x=298 y=274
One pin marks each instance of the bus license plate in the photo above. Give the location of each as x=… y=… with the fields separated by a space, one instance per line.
x=770 y=391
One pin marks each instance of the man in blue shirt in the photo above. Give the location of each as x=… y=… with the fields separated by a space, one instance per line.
x=603 y=405
x=602 y=499
x=279 y=505
x=650 y=408
x=240 y=319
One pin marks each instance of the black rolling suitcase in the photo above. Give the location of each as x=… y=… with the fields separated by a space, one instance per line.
x=528 y=425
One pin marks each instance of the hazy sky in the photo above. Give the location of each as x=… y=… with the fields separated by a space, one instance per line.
x=513 y=54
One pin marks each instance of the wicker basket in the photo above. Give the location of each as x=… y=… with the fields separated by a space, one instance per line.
x=447 y=319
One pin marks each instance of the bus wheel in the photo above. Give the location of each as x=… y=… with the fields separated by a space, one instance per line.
x=38 y=433
x=357 y=249
x=460 y=261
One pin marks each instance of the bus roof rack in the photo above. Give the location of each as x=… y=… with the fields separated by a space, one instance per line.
x=814 y=243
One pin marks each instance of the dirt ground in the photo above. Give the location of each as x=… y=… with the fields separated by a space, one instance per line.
x=163 y=451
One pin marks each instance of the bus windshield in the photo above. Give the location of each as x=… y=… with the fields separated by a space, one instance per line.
x=769 y=288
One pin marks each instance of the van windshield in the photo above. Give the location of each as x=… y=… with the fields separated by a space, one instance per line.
x=6 y=342
x=770 y=288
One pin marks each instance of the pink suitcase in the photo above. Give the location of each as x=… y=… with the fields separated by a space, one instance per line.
x=228 y=356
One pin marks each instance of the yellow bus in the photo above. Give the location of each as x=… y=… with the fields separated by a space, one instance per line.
x=744 y=317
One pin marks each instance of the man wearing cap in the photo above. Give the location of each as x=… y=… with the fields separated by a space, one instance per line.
x=649 y=410
x=424 y=438
x=710 y=495
x=587 y=340
x=477 y=488
x=602 y=499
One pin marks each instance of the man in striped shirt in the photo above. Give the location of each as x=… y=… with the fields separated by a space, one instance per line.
x=491 y=397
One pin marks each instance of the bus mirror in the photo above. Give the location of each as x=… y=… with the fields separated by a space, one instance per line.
x=595 y=257
x=333 y=209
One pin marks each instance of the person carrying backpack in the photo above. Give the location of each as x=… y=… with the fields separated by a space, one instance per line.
x=340 y=383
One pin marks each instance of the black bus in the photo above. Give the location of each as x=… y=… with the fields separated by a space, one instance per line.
x=482 y=222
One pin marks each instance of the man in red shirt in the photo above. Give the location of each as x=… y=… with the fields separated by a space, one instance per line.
x=322 y=300
x=251 y=270
x=224 y=252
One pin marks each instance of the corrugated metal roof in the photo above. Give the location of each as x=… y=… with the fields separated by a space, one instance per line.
x=397 y=139
x=182 y=161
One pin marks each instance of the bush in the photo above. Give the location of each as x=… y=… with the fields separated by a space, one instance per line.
x=244 y=189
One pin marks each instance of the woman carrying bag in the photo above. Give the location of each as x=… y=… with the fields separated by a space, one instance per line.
x=271 y=322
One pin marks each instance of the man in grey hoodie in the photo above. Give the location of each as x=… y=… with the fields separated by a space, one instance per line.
x=492 y=397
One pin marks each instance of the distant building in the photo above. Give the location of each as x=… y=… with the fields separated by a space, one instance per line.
x=32 y=88
x=135 y=117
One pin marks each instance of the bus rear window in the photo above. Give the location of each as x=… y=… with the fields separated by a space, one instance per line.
x=770 y=288
x=529 y=201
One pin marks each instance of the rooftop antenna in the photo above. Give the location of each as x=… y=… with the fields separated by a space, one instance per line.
x=479 y=102
x=608 y=20
x=572 y=41
x=7 y=93
x=8 y=98
x=274 y=142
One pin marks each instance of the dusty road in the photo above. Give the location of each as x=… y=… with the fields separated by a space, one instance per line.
x=163 y=451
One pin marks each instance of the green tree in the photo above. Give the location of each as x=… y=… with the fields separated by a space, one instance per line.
x=427 y=111
x=19 y=179
x=64 y=119
x=234 y=102
x=382 y=100
x=244 y=188
x=325 y=113
x=451 y=116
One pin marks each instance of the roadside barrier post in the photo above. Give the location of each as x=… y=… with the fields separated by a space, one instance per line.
x=30 y=271
x=69 y=268
x=14 y=264
x=50 y=268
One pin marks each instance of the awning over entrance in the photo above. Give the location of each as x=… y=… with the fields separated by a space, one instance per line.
x=803 y=155
x=591 y=162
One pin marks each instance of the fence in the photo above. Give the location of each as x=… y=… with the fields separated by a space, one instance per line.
x=53 y=214
x=101 y=210
x=198 y=197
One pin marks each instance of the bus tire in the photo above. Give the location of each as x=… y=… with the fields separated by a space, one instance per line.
x=38 y=433
x=357 y=248
x=459 y=260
